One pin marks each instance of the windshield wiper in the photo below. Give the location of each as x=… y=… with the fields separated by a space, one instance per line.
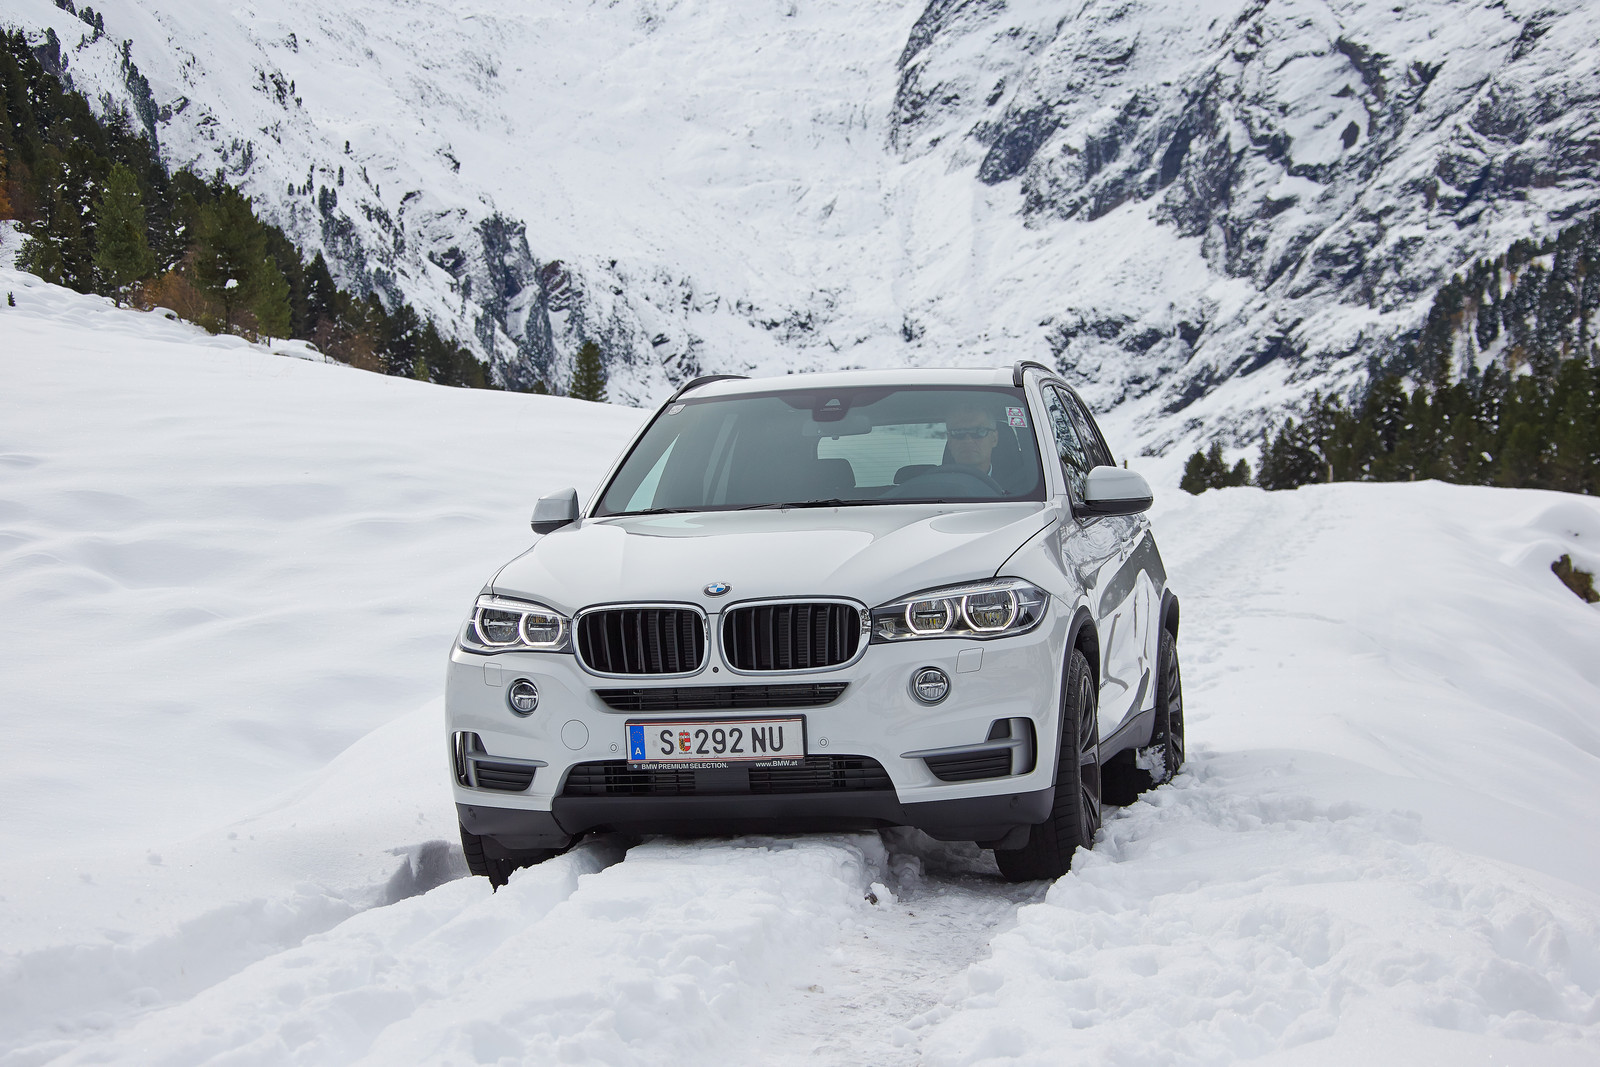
x=833 y=502
x=654 y=511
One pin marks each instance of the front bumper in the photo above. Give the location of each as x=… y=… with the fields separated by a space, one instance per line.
x=993 y=821
x=1010 y=679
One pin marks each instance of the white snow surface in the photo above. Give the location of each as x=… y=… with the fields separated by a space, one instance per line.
x=228 y=582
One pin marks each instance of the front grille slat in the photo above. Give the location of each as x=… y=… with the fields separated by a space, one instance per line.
x=723 y=697
x=633 y=642
x=771 y=662
x=642 y=640
x=814 y=774
x=808 y=635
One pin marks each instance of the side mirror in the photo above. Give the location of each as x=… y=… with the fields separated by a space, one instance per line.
x=555 y=511
x=1115 y=491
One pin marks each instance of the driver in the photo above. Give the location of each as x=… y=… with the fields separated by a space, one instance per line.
x=972 y=436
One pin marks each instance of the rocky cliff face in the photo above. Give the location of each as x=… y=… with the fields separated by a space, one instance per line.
x=1201 y=212
x=1340 y=160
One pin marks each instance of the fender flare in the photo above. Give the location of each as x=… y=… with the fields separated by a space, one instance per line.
x=1080 y=622
x=1169 y=612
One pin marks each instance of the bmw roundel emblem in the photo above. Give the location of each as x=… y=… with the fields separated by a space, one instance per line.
x=717 y=588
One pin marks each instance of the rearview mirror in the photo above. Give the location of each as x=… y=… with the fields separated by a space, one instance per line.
x=1115 y=491
x=851 y=425
x=555 y=511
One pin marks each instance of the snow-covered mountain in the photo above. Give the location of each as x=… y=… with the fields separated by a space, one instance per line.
x=1202 y=209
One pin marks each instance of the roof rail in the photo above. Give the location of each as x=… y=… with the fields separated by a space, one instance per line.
x=1021 y=368
x=704 y=379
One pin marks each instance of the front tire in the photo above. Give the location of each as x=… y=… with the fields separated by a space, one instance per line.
x=1129 y=774
x=486 y=859
x=1075 y=817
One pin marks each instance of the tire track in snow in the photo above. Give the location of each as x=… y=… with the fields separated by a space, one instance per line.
x=936 y=915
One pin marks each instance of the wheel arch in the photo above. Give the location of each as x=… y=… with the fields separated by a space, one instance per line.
x=1085 y=638
x=1169 y=612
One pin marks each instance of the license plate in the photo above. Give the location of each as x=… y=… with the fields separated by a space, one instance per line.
x=717 y=741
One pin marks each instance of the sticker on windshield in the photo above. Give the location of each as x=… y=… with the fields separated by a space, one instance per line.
x=1017 y=417
x=674 y=409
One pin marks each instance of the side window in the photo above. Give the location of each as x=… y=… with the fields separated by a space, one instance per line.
x=1094 y=446
x=1074 y=460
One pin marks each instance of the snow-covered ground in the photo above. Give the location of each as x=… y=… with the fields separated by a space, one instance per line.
x=228 y=580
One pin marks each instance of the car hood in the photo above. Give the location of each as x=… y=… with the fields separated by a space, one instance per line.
x=872 y=554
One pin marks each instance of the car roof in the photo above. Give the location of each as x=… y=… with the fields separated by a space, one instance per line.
x=855 y=379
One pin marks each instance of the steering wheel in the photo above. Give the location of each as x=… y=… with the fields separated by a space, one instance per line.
x=986 y=480
x=944 y=472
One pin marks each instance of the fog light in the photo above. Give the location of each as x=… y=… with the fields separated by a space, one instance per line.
x=523 y=696
x=930 y=685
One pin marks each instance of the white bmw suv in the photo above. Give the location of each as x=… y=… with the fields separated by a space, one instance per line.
x=828 y=602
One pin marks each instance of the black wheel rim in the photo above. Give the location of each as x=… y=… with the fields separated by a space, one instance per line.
x=1088 y=762
x=1174 y=689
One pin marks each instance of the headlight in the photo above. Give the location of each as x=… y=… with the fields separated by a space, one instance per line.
x=1003 y=607
x=502 y=625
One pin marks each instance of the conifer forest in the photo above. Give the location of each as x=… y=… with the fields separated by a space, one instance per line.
x=1502 y=387
x=102 y=214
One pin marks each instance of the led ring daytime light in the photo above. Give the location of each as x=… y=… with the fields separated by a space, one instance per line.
x=1010 y=610
x=497 y=627
x=926 y=609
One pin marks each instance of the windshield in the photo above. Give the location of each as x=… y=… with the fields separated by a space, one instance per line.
x=881 y=445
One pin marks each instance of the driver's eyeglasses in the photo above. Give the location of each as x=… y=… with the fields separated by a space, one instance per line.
x=970 y=433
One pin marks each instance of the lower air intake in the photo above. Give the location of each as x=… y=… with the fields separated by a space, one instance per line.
x=476 y=769
x=971 y=766
x=815 y=774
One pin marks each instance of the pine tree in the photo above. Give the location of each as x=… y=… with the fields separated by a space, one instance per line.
x=1208 y=470
x=271 y=301
x=122 y=254
x=58 y=248
x=322 y=295
x=1574 y=453
x=588 y=374
x=229 y=251
x=1216 y=466
x=1385 y=410
x=1290 y=461
x=1522 y=434
x=1195 y=474
x=5 y=165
